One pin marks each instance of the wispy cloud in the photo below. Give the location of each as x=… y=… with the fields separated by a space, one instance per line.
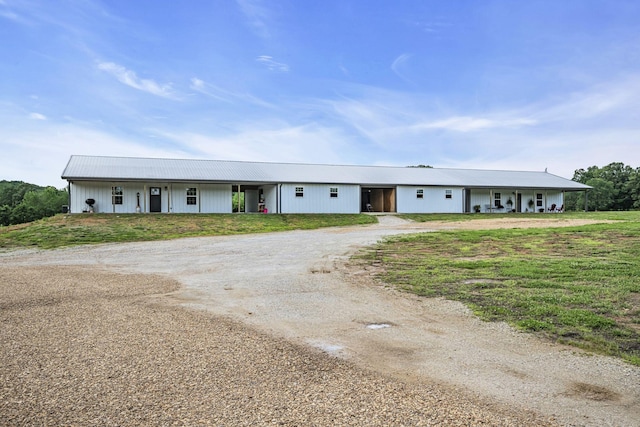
x=37 y=116
x=257 y=15
x=617 y=96
x=9 y=13
x=130 y=78
x=268 y=140
x=399 y=64
x=224 y=95
x=471 y=124
x=271 y=64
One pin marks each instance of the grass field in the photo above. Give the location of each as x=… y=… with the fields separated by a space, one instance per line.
x=579 y=286
x=68 y=230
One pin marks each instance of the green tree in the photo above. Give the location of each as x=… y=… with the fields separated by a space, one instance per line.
x=623 y=190
x=23 y=213
x=618 y=174
x=22 y=202
x=599 y=198
x=5 y=215
x=12 y=192
x=237 y=202
x=633 y=188
x=45 y=202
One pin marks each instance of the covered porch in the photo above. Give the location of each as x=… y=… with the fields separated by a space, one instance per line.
x=504 y=200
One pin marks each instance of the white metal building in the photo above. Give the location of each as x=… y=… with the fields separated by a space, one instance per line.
x=128 y=185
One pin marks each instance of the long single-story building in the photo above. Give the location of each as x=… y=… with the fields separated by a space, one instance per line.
x=129 y=185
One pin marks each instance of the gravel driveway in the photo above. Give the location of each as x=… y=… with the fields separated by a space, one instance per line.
x=295 y=293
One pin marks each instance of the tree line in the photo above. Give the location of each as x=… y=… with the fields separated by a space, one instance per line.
x=22 y=202
x=616 y=187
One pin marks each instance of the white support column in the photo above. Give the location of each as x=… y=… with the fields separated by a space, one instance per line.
x=490 y=200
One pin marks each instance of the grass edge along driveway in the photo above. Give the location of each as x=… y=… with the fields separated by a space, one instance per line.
x=79 y=229
x=578 y=286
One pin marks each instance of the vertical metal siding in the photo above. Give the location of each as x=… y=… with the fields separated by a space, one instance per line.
x=215 y=198
x=270 y=193
x=317 y=199
x=434 y=200
x=179 y=198
x=408 y=202
x=251 y=201
x=440 y=204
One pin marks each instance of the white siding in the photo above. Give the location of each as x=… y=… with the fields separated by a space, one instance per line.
x=251 y=199
x=101 y=193
x=210 y=198
x=270 y=194
x=434 y=200
x=179 y=198
x=317 y=199
x=215 y=198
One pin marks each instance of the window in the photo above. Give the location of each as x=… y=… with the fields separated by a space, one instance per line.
x=299 y=191
x=496 y=200
x=333 y=192
x=192 y=194
x=419 y=193
x=116 y=195
x=539 y=200
x=448 y=194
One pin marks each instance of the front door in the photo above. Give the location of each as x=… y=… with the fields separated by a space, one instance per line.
x=155 y=199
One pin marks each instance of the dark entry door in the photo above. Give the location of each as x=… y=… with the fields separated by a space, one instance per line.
x=155 y=199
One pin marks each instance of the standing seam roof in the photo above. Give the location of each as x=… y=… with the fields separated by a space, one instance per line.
x=138 y=169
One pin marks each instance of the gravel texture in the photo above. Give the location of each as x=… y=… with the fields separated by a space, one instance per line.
x=87 y=347
x=103 y=335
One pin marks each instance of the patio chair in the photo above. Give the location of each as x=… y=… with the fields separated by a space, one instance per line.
x=552 y=208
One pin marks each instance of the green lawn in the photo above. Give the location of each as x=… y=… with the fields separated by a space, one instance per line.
x=579 y=286
x=67 y=230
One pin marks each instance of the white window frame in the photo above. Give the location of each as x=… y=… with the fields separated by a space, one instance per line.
x=300 y=191
x=117 y=195
x=192 y=196
x=333 y=192
x=420 y=193
x=448 y=194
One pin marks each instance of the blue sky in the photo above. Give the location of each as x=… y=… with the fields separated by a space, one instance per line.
x=466 y=84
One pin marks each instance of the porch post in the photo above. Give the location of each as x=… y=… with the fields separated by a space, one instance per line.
x=490 y=200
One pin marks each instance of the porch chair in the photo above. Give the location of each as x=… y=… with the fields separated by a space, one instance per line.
x=552 y=208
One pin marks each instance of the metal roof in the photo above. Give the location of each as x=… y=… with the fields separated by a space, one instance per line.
x=91 y=168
